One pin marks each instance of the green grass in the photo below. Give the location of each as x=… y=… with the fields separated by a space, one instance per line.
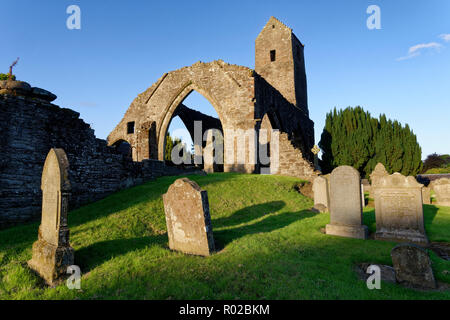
x=270 y=245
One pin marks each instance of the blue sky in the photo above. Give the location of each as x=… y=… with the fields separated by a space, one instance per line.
x=402 y=70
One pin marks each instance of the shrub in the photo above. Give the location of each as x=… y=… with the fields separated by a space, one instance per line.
x=353 y=137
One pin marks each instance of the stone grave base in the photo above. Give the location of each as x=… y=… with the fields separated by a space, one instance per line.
x=402 y=236
x=357 y=232
x=51 y=262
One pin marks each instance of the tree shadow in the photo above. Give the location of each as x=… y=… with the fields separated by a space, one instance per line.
x=269 y=224
x=88 y=258
x=249 y=213
x=429 y=213
x=127 y=198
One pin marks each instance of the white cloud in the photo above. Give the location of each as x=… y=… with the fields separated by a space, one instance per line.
x=445 y=37
x=415 y=51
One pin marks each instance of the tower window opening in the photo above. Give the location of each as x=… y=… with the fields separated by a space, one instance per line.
x=130 y=127
x=272 y=55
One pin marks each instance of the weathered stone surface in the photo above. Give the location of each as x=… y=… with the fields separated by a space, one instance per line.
x=345 y=204
x=43 y=94
x=426 y=195
x=398 y=209
x=242 y=98
x=52 y=253
x=412 y=266
x=213 y=151
x=188 y=220
x=30 y=128
x=441 y=188
x=15 y=85
x=378 y=173
x=320 y=190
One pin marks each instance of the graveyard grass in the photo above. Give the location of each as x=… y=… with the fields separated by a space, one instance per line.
x=269 y=247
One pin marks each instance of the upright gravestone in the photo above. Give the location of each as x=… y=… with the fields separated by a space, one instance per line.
x=320 y=190
x=345 y=204
x=441 y=189
x=398 y=209
x=378 y=173
x=412 y=266
x=426 y=195
x=187 y=217
x=52 y=253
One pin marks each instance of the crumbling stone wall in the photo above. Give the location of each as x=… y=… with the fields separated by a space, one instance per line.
x=29 y=128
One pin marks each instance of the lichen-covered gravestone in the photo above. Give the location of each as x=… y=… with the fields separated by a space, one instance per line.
x=345 y=204
x=320 y=190
x=52 y=254
x=441 y=188
x=412 y=266
x=188 y=220
x=398 y=209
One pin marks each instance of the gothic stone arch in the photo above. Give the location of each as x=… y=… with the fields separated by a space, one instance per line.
x=229 y=88
x=242 y=99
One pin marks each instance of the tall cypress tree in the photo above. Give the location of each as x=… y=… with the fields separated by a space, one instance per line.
x=353 y=137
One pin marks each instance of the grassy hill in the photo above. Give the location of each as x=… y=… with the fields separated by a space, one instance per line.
x=270 y=247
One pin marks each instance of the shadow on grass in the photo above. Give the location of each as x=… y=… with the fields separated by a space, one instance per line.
x=269 y=224
x=23 y=236
x=94 y=255
x=249 y=213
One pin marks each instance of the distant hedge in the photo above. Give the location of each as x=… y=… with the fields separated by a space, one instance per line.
x=353 y=137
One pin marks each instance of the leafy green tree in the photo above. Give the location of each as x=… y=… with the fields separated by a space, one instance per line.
x=170 y=143
x=353 y=137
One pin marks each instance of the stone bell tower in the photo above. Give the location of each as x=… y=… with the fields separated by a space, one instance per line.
x=280 y=61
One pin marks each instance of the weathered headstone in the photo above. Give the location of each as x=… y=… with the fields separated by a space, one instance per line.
x=345 y=204
x=52 y=253
x=377 y=173
x=399 y=209
x=426 y=195
x=441 y=189
x=188 y=220
x=412 y=266
x=363 y=198
x=320 y=190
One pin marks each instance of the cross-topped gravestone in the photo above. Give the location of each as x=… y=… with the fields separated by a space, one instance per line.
x=345 y=204
x=188 y=220
x=398 y=209
x=52 y=253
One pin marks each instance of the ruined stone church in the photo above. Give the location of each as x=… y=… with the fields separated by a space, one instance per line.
x=272 y=96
